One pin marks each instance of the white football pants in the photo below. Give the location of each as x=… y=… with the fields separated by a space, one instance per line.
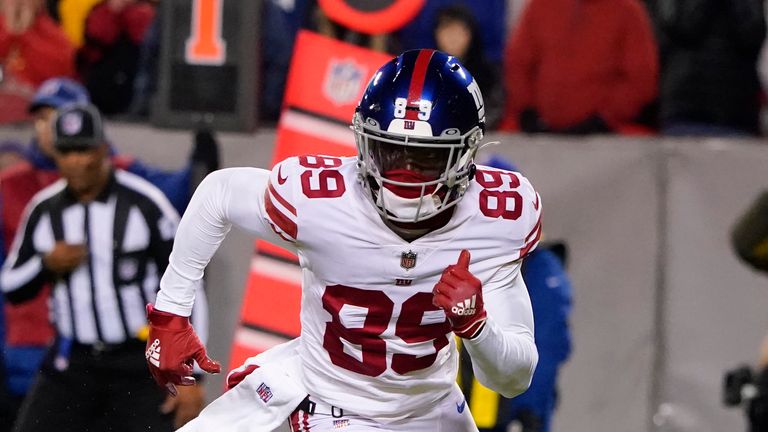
x=450 y=415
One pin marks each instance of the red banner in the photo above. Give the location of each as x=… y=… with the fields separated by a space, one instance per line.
x=325 y=82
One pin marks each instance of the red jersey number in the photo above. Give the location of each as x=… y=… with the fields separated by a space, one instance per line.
x=379 y=310
x=410 y=329
x=321 y=180
x=494 y=203
x=367 y=336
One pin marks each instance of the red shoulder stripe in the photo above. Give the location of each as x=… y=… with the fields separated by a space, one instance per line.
x=282 y=200
x=281 y=220
x=530 y=244
x=536 y=228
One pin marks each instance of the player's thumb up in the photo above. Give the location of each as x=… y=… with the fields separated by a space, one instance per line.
x=463 y=261
x=206 y=364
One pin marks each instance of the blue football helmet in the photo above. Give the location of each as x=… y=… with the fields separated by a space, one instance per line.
x=417 y=129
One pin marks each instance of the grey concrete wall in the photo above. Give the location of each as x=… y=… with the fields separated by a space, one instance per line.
x=601 y=198
x=716 y=307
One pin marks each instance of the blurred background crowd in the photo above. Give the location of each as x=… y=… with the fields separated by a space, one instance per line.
x=560 y=69
x=673 y=67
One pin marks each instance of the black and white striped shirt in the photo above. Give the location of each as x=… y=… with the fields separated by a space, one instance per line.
x=128 y=231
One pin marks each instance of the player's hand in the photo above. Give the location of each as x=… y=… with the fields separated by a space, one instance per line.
x=171 y=347
x=460 y=294
x=65 y=257
x=185 y=406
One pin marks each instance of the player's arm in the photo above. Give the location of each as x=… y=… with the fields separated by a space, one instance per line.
x=497 y=327
x=163 y=221
x=234 y=196
x=504 y=353
x=498 y=333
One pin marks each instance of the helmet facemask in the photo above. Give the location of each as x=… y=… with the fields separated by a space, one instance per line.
x=411 y=178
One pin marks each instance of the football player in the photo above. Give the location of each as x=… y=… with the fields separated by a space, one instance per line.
x=401 y=248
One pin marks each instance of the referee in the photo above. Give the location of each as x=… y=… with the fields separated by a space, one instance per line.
x=101 y=238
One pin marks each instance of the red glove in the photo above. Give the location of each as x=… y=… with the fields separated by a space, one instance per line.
x=171 y=347
x=460 y=294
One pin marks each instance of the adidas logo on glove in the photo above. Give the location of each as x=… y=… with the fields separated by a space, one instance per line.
x=466 y=307
x=153 y=353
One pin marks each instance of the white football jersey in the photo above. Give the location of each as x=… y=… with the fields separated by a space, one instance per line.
x=372 y=342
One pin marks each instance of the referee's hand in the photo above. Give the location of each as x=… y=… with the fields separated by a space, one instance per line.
x=65 y=257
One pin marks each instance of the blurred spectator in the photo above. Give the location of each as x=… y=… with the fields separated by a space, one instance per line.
x=32 y=49
x=709 y=81
x=281 y=21
x=456 y=34
x=514 y=11
x=8 y=407
x=11 y=153
x=550 y=289
x=28 y=330
x=107 y=62
x=490 y=16
x=71 y=17
x=101 y=238
x=145 y=80
x=580 y=66
x=27 y=327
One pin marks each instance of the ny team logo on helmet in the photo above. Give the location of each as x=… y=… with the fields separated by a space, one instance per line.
x=422 y=103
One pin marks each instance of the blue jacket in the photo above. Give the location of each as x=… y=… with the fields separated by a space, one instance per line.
x=550 y=290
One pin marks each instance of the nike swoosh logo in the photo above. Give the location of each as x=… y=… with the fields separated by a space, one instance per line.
x=280 y=178
x=460 y=407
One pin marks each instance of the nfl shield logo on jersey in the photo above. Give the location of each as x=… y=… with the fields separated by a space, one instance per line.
x=344 y=81
x=408 y=260
x=264 y=392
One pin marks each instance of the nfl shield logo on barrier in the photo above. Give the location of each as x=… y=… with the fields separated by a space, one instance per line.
x=408 y=260
x=343 y=82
